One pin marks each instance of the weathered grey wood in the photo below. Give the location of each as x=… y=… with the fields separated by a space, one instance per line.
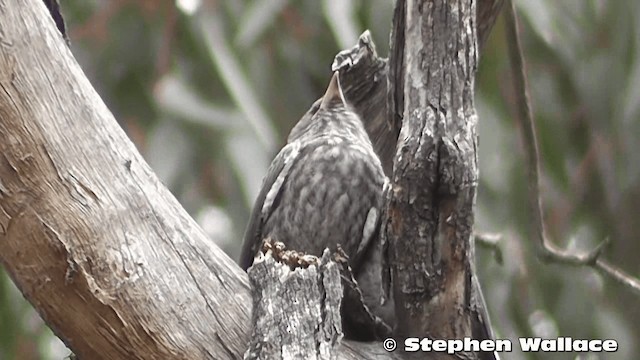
x=94 y=241
x=429 y=222
x=296 y=312
x=364 y=77
x=91 y=237
x=104 y=252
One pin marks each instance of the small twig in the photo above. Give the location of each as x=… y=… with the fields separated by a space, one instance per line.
x=490 y=241
x=548 y=251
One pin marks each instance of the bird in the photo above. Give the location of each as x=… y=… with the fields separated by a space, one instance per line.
x=324 y=189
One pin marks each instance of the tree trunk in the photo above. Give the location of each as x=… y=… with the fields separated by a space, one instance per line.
x=88 y=233
x=430 y=216
x=119 y=270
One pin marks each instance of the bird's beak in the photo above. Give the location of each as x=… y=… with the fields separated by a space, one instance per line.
x=333 y=96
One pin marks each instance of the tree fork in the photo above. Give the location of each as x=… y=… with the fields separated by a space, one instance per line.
x=94 y=241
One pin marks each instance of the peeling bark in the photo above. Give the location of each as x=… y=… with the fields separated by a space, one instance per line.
x=431 y=205
x=313 y=330
x=432 y=208
x=88 y=233
x=117 y=268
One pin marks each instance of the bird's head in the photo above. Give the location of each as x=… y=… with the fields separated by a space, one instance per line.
x=331 y=113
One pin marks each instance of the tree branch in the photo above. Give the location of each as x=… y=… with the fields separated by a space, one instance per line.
x=88 y=233
x=284 y=329
x=430 y=207
x=547 y=249
x=362 y=62
x=365 y=76
x=491 y=242
x=95 y=242
x=104 y=252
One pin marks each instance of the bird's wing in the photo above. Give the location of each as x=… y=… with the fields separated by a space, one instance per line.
x=371 y=236
x=267 y=199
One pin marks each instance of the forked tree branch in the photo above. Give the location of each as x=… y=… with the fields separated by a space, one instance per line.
x=548 y=250
x=94 y=241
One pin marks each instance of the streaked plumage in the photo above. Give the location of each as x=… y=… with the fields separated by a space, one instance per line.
x=324 y=188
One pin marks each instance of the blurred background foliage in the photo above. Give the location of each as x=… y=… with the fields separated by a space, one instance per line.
x=208 y=91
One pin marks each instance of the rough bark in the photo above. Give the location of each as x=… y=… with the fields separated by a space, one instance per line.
x=365 y=77
x=107 y=255
x=91 y=237
x=314 y=330
x=297 y=307
x=94 y=241
x=431 y=205
x=361 y=62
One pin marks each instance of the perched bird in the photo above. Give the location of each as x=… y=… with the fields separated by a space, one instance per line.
x=324 y=189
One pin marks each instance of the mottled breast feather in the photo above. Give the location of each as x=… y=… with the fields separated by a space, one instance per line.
x=324 y=189
x=327 y=175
